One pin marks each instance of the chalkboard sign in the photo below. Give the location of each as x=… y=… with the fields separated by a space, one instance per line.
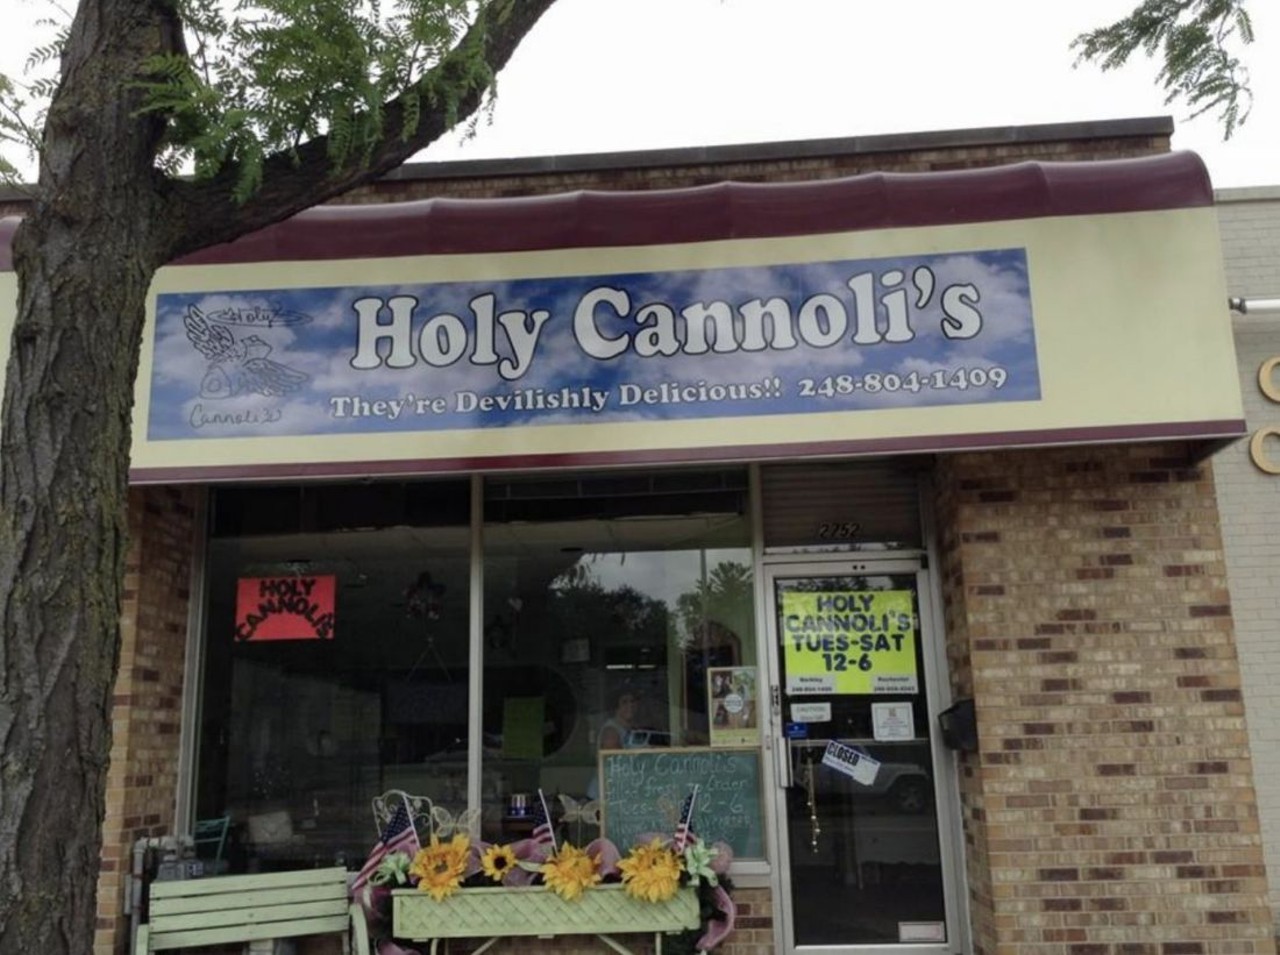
x=643 y=789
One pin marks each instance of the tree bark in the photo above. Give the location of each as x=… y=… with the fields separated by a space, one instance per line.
x=62 y=541
x=103 y=221
x=84 y=256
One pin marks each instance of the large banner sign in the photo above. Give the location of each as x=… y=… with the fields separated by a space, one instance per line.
x=1025 y=306
x=849 y=641
x=854 y=335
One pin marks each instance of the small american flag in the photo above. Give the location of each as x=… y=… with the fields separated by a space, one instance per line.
x=684 y=828
x=398 y=836
x=543 y=832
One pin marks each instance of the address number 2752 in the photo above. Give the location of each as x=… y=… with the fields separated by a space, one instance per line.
x=837 y=530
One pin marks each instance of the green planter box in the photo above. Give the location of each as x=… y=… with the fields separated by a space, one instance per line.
x=536 y=910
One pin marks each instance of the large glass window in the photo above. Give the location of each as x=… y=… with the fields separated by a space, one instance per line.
x=615 y=606
x=616 y=614
x=335 y=665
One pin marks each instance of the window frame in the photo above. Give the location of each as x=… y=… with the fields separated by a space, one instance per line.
x=747 y=872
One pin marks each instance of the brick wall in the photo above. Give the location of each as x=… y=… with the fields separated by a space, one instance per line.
x=142 y=781
x=1112 y=798
x=1248 y=498
x=1249 y=220
x=953 y=547
x=755 y=162
x=771 y=162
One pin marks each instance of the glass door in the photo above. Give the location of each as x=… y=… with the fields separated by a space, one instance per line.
x=862 y=853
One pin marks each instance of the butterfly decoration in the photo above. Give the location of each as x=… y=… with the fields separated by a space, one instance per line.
x=588 y=810
x=444 y=824
x=582 y=812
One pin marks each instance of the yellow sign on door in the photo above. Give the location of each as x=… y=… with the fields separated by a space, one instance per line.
x=849 y=641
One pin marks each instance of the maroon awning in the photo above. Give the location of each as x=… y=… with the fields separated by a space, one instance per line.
x=728 y=210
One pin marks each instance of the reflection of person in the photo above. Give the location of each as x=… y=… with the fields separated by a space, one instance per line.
x=615 y=733
x=617 y=728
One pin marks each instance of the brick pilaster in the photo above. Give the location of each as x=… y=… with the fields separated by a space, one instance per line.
x=1111 y=804
x=142 y=781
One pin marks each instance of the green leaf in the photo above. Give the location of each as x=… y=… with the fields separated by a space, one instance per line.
x=1196 y=42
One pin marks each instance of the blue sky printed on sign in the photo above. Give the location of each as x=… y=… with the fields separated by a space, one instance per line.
x=857 y=335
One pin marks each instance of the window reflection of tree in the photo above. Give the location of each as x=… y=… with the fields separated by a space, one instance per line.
x=711 y=645
x=722 y=597
x=581 y=606
x=711 y=618
x=626 y=631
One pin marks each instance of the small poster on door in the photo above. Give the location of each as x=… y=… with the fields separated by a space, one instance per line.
x=893 y=722
x=857 y=765
x=732 y=699
x=811 y=712
x=922 y=932
x=849 y=642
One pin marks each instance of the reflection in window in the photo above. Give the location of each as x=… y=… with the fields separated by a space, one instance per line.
x=298 y=736
x=609 y=602
x=606 y=602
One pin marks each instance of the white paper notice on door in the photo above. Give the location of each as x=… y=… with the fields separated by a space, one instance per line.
x=823 y=683
x=893 y=722
x=922 y=932
x=859 y=767
x=811 y=712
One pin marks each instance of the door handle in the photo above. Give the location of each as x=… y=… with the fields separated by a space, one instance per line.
x=782 y=753
x=782 y=760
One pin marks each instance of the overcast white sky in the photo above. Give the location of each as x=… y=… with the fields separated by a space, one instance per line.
x=607 y=75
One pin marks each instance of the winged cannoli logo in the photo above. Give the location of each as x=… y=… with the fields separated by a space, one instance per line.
x=240 y=365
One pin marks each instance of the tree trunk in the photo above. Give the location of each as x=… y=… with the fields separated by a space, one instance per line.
x=104 y=220
x=62 y=539
x=85 y=257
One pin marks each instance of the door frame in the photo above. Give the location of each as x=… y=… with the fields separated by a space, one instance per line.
x=937 y=697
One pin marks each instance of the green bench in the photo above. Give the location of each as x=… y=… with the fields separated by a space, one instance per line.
x=228 y=909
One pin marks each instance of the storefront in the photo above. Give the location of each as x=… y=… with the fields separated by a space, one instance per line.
x=608 y=496
x=613 y=603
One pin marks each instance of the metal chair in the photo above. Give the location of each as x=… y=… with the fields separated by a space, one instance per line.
x=418 y=807
x=427 y=818
x=210 y=837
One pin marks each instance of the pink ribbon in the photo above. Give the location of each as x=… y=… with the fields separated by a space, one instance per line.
x=718 y=929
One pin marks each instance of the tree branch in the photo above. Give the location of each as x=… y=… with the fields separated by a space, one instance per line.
x=205 y=213
x=1194 y=39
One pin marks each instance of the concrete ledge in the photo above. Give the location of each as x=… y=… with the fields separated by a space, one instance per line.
x=1247 y=194
x=1141 y=127
x=1133 y=128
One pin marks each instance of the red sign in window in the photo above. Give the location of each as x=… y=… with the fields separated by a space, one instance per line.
x=285 y=608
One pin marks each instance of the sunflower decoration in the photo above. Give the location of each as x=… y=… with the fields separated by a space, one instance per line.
x=651 y=872
x=570 y=871
x=441 y=866
x=498 y=861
